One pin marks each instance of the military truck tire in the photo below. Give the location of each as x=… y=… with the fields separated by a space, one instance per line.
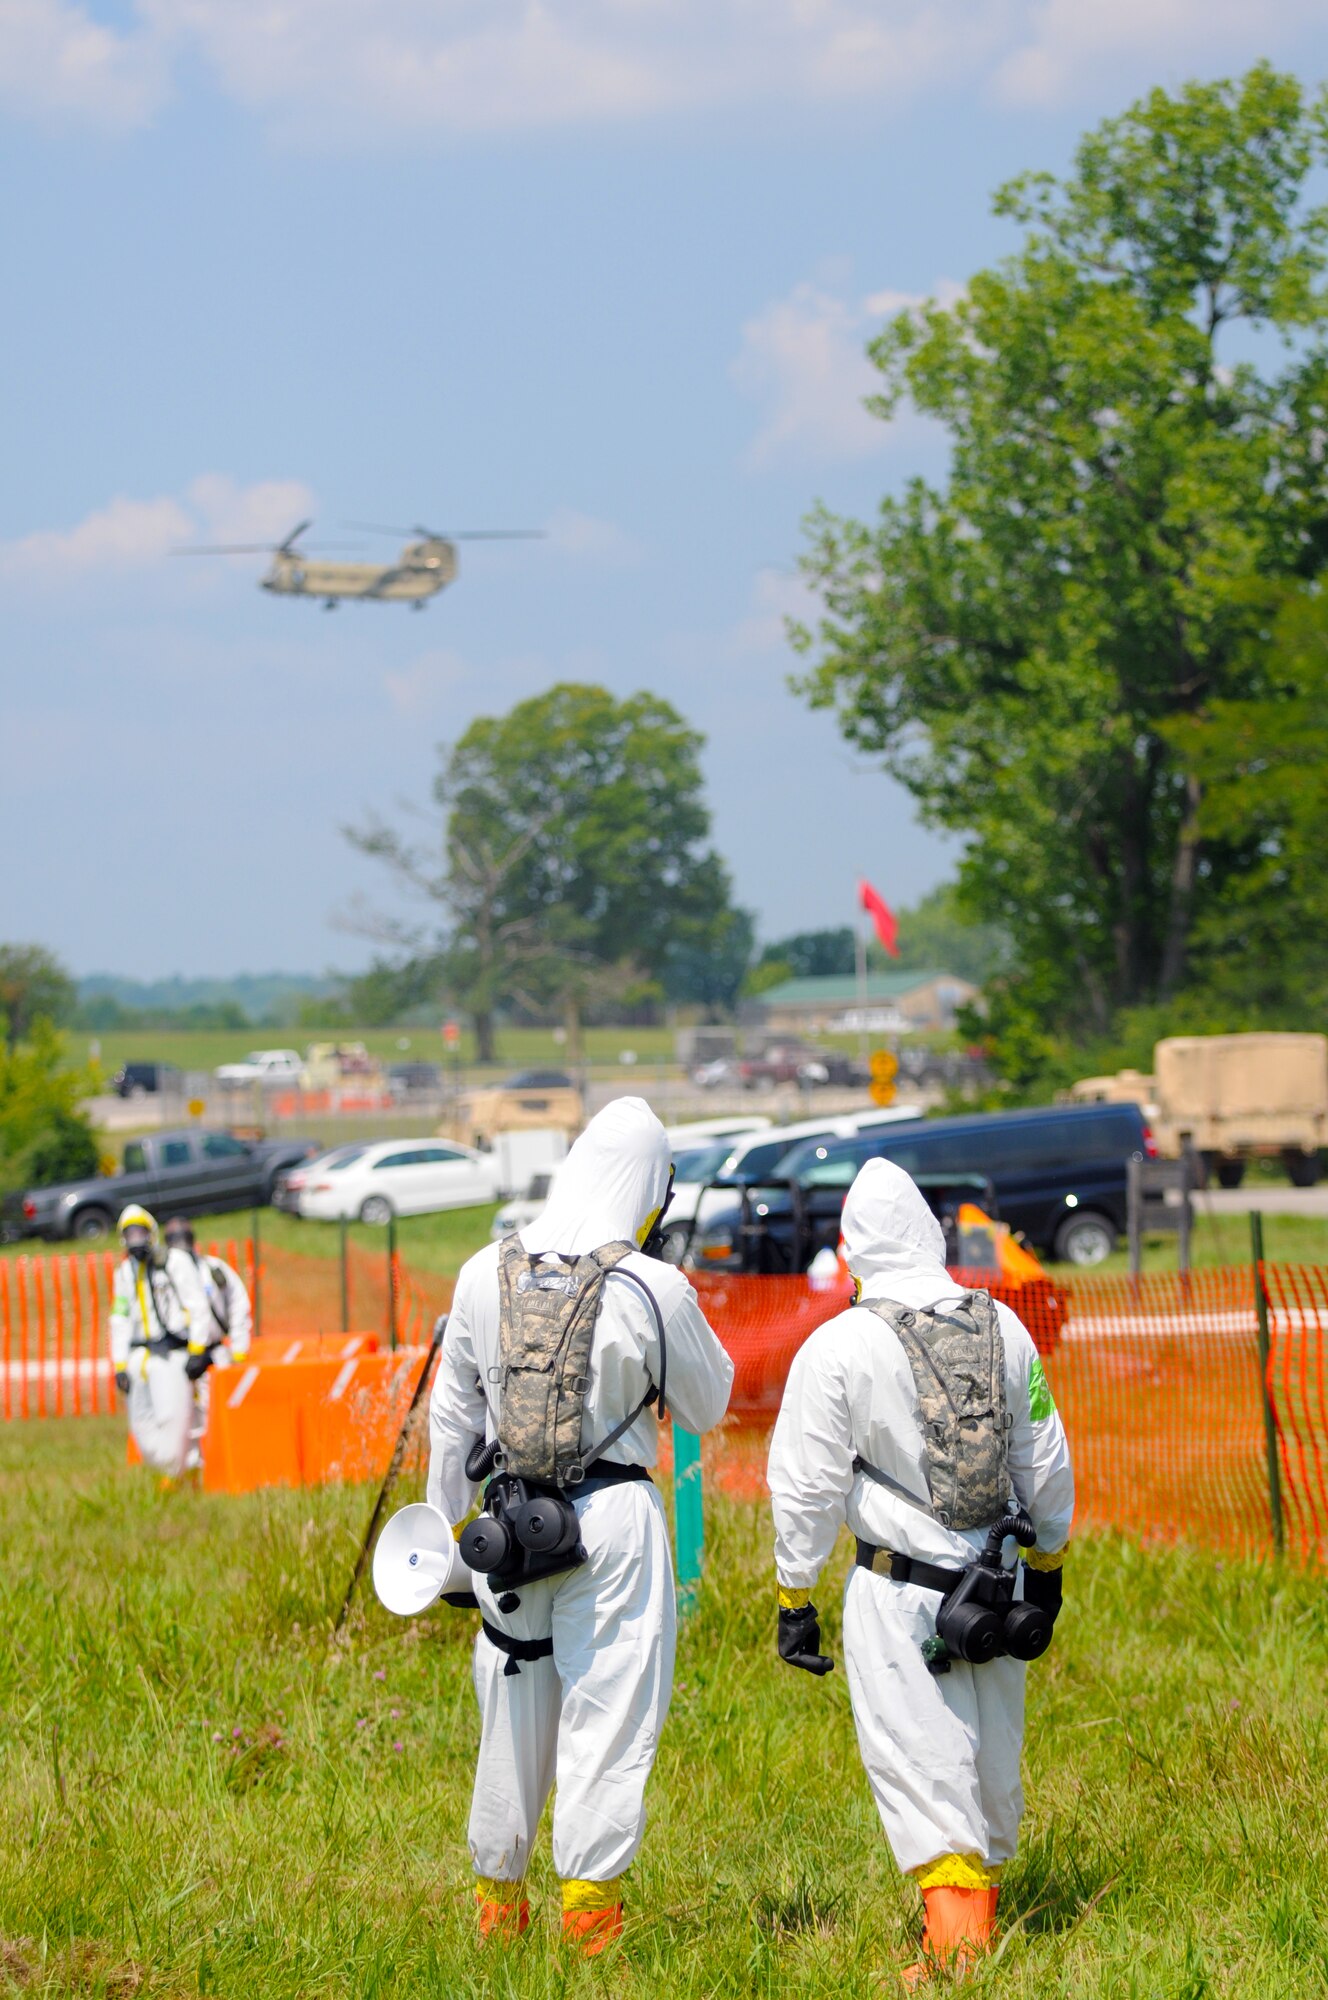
x=1230 y=1173
x=1303 y=1169
x=1085 y=1238
x=91 y=1224
x=376 y=1208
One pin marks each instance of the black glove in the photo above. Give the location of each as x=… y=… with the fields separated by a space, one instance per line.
x=1043 y=1587
x=461 y=1600
x=122 y=1380
x=800 y=1640
x=197 y=1365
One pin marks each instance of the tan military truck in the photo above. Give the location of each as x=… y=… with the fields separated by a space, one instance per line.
x=1231 y=1097
x=534 y=1099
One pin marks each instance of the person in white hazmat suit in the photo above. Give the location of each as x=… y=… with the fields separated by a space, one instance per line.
x=159 y=1341
x=230 y=1321
x=941 y=1749
x=574 y=1672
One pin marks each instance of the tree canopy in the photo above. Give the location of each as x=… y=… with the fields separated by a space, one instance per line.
x=575 y=862
x=33 y=984
x=1136 y=402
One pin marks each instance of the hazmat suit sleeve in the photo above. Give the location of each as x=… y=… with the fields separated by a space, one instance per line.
x=1040 y=1469
x=458 y=1414
x=121 y=1317
x=699 y=1374
x=240 y=1313
x=810 y=1470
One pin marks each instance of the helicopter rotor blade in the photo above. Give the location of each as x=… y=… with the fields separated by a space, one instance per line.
x=266 y=549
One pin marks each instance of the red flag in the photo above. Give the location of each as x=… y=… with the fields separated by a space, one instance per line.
x=887 y=930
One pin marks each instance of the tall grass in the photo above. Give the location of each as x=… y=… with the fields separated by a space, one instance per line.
x=203 y=1793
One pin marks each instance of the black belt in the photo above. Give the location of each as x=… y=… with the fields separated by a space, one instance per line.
x=164 y=1343
x=516 y=1649
x=604 y=1472
x=909 y=1569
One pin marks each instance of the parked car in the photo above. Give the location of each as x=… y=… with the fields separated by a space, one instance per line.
x=290 y=1185
x=780 y=1226
x=415 y=1079
x=191 y=1172
x=263 y=1066
x=148 y=1079
x=753 y=1157
x=802 y=1063
x=1059 y=1173
x=400 y=1177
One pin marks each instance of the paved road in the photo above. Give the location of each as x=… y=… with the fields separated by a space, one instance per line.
x=1272 y=1200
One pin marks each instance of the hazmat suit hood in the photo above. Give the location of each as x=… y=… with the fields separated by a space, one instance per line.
x=611 y=1184
x=893 y=1244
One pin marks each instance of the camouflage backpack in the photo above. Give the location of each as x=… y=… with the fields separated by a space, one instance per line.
x=958 y=1363
x=547 y=1309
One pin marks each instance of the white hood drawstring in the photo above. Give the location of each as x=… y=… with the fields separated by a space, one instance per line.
x=611 y=1183
x=893 y=1244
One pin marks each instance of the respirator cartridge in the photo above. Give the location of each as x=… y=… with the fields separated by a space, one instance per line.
x=526 y=1531
x=979 y=1619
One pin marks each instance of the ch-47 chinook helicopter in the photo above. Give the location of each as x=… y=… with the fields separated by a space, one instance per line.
x=425 y=566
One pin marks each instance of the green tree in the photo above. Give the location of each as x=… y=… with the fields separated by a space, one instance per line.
x=1124 y=491
x=812 y=954
x=574 y=860
x=33 y=983
x=1262 y=763
x=44 y=1135
x=936 y=934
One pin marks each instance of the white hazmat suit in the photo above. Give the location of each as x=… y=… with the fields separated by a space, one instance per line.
x=942 y=1753
x=585 y=1721
x=158 y=1316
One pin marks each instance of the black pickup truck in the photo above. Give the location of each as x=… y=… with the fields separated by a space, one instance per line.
x=189 y=1172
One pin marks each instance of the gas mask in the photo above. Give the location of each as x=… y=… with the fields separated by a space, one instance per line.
x=979 y=1619
x=138 y=1243
x=652 y=1243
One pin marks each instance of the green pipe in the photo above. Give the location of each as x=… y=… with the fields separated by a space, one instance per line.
x=688 y=1516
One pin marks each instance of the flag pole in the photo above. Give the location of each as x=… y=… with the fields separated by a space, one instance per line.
x=860 y=952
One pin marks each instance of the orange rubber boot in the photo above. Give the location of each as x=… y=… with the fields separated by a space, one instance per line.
x=593 y=1931
x=958 y=1929
x=502 y=1911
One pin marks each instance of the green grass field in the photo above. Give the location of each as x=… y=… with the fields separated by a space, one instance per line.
x=204 y=1794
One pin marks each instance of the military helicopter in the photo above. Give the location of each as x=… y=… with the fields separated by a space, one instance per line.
x=425 y=566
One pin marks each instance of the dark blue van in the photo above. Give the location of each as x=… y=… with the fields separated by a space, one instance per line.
x=1059 y=1173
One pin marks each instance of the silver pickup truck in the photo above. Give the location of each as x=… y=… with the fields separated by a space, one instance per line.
x=188 y=1172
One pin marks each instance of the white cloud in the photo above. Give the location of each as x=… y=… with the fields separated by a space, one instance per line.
x=338 y=72
x=56 y=61
x=1061 y=45
x=803 y=359
x=127 y=533
x=586 y=536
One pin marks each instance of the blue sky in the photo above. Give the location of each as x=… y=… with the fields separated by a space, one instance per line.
x=604 y=267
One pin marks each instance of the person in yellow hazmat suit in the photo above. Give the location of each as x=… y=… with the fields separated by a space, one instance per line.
x=560 y=1339
x=159 y=1346
x=921 y=1418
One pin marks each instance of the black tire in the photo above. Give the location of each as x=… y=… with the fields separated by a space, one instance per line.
x=1230 y=1173
x=1303 y=1169
x=90 y=1225
x=377 y=1210
x=1085 y=1238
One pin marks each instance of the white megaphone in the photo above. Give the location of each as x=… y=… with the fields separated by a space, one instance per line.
x=416 y=1560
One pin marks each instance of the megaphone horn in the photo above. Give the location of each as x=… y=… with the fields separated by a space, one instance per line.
x=416 y=1560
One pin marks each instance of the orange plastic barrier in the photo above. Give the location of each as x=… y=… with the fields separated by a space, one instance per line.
x=302 y=1423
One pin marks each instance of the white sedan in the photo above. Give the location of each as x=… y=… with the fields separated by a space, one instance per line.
x=398 y=1177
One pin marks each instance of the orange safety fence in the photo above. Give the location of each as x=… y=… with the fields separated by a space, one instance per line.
x=55 y=1310
x=1158 y=1379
